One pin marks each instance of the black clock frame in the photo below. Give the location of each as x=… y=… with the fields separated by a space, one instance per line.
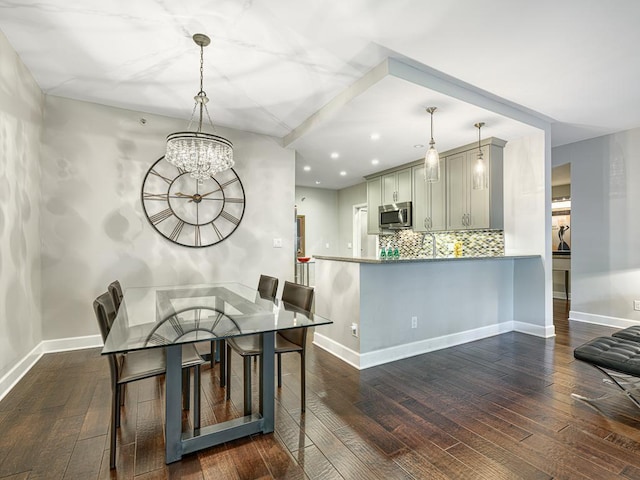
x=180 y=173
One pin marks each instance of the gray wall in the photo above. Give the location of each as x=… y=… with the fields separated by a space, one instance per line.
x=605 y=224
x=319 y=207
x=21 y=105
x=94 y=159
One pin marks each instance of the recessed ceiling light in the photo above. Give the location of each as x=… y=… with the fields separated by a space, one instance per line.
x=375 y=136
x=317 y=182
x=418 y=145
x=375 y=161
x=335 y=155
x=343 y=173
x=307 y=168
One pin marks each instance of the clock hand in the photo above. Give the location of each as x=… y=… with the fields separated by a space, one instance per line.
x=212 y=191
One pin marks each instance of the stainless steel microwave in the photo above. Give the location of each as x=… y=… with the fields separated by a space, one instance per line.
x=395 y=216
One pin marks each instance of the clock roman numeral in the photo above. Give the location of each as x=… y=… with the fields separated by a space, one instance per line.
x=226 y=184
x=220 y=236
x=230 y=217
x=168 y=180
x=181 y=170
x=176 y=230
x=234 y=200
x=198 y=240
x=160 y=216
x=155 y=196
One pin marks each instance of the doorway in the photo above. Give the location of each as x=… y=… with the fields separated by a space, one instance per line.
x=561 y=231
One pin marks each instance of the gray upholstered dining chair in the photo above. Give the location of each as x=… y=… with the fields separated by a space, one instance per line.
x=267 y=289
x=115 y=290
x=267 y=286
x=140 y=364
x=294 y=296
x=189 y=352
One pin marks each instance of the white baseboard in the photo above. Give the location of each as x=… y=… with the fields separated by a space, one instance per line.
x=337 y=349
x=561 y=295
x=601 y=319
x=547 y=331
x=68 y=344
x=386 y=355
x=20 y=369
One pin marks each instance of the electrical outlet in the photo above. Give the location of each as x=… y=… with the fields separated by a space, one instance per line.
x=414 y=322
x=277 y=243
x=354 y=329
x=636 y=304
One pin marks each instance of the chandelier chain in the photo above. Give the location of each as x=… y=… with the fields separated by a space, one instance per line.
x=202 y=154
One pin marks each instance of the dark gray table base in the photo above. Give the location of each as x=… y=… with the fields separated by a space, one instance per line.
x=178 y=443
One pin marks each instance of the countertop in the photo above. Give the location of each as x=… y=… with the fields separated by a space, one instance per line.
x=413 y=260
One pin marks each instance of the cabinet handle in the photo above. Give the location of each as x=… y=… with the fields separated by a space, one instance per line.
x=425 y=223
x=430 y=224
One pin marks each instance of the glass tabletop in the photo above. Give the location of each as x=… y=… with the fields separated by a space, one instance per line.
x=159 y=316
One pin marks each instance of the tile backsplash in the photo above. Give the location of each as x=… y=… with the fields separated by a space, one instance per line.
x=479 y=243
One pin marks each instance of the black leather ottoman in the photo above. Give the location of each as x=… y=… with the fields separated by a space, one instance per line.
x=614 y=354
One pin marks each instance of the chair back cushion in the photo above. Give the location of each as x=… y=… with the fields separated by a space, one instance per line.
x=116 y=293
x=298 y=295
x=267 y=286
x=105 y=315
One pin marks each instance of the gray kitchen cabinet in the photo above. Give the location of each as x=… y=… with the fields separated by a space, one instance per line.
x=374 y=200
x=469 y=209
x=429 y=212
x=396 y=187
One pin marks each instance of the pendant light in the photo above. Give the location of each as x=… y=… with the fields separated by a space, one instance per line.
x=199 y=153
x=432 y=159
x=480 y=167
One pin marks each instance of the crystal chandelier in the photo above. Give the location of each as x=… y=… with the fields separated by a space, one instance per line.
x=199 y=153
x=432 y=159
x=480 y=167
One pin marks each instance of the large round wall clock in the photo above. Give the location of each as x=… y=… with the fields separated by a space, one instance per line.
x=190 y=212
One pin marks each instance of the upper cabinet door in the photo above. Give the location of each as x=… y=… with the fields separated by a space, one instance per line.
x=374 y=200
x=389 y=188
x=428 y=201
x=396 y=187
x=457 y=186
x=479 y=200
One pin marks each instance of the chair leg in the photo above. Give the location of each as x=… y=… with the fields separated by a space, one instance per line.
x=225 y=357
x=228 y=374
x=186 y=388
x=196 y=397
x=213 y=353
x=118 y=394
x=303 y=382
x=115 y=409
x=279 y=356
x=247 y=385
x=123 y=389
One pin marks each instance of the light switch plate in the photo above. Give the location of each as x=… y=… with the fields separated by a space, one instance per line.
x=636 y=304
x=277 y=243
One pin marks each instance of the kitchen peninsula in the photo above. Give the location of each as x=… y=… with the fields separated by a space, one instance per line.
x=388 y=310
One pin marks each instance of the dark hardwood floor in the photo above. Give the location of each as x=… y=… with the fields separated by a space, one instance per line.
x=493 y=409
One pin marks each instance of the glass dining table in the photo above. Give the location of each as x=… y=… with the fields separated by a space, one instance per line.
x=170 y=316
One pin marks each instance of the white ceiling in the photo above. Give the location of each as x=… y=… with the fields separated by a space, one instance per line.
x=273 y=64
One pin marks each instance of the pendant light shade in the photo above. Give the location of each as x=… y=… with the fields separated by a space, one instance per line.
x=480 y=166
x=432 y=159
x=199 y=153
